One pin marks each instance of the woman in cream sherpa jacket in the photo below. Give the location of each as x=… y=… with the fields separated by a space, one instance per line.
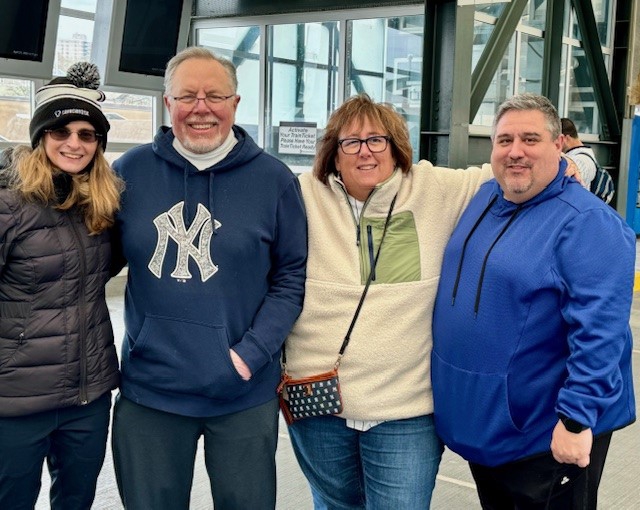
x=381 y=451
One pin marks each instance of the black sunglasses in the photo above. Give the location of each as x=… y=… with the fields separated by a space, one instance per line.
x=85 y=135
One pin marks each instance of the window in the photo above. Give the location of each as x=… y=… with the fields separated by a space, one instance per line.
x=385 y=56
x=241 y=45
x=521 y=67
x=302 y=82
x=503 y=83
x=131 y=116
x=15 y=110
x=301 y=71
x=578 y=100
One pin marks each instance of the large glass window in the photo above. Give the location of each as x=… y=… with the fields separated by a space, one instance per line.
x=302 y=87
x=535 y=14
x=603 y=13
x=73 y=43
x=241 y=45
x=577 y=100
x=301 y=71
x=502 y=85
x=580 y=105
x=531 y=52
x=384 y=58
x=131 y=116
x=15 y=110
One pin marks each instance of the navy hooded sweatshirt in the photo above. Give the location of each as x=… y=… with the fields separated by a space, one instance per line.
x=216 y=260
x=531 y=320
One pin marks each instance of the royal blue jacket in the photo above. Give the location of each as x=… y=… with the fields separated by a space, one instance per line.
x=532 y=320
x=216 y=261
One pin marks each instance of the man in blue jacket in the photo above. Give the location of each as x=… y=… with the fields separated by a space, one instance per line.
x=532 y=346
x=214 y=233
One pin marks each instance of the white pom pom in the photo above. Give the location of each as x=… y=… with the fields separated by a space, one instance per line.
x=84 y=75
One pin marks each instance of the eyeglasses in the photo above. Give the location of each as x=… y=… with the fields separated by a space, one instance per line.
x=212 y=100
x=376 y=143
x=84 y=135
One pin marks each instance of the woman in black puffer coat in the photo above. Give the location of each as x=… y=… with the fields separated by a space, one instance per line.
x=58 y=362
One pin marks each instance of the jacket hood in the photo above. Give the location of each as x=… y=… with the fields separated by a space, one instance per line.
x=501 y=207
x=242 y=153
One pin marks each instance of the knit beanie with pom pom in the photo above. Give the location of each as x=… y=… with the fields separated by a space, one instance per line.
x=69 y=98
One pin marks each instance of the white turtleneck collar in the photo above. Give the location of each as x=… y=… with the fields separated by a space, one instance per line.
x=208 y=159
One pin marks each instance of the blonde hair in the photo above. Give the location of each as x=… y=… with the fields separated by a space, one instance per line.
x=95 y=192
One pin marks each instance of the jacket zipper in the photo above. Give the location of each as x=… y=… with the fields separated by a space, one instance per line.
x=82 y=330
x=356 y=221
x=371 y=255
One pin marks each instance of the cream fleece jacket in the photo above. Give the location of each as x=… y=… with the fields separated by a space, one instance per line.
x=385 y=372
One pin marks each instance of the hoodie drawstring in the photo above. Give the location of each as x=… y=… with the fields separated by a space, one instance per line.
x=464 y=248
x=185 y=179
x=187 y=212
x=211 y=208
x=486 y=257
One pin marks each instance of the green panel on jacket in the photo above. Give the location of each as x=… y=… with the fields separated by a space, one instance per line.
x=400 y=256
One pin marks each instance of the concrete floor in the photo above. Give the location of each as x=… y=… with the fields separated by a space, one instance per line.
x=619 y=490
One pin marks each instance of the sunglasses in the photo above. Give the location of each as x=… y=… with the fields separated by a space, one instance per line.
x=85 y=135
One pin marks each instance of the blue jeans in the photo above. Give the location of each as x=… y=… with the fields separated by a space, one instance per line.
x=392 y=465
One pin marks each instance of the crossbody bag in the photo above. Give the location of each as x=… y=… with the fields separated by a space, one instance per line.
x=319 y=395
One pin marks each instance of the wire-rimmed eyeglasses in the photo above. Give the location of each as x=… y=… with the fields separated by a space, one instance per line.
x=84 y=135
x=212 y=100
x=377 y=143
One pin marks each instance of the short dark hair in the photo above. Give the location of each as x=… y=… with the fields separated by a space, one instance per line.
x=568 y=127
x=528 y=101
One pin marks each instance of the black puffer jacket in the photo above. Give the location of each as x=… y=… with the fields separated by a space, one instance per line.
x=56 y=339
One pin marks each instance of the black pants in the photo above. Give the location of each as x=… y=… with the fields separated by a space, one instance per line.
x=73 y=440
x=541 y=483
x=154 y=453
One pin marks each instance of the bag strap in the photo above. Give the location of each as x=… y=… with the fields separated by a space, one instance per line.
x=590 y=157
x=347 y=337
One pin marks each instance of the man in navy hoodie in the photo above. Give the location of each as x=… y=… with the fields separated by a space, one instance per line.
x=214 y=233
x=531 y=360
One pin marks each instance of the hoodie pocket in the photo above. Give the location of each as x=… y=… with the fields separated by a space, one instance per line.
x=472 y=411
x=179 y=356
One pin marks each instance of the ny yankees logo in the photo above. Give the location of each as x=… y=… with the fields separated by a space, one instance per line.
x=171 y=225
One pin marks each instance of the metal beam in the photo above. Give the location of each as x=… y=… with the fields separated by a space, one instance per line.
x=448 y=43
x=552 y=58
x=595 y=60
x=461 y=91
x=433 y=53
x=493 y=52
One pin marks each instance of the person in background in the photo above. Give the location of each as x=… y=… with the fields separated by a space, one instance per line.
x=58 y=362
x=214 y=233
x=582 y=155
x=531 y=361
x=382 y=450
